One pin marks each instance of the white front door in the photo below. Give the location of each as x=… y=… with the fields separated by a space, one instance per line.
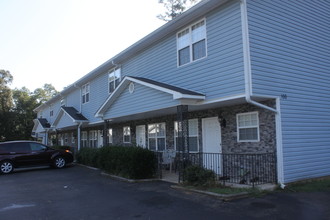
x=212 y=144
x=141 y=136
x=100 y=139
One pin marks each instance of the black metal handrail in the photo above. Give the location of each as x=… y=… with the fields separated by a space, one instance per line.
x=247 y=169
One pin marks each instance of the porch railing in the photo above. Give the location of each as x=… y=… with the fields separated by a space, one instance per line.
x=247 y=169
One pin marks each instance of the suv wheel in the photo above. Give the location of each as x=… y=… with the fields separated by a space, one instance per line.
x=59 y=162
x=6 y=167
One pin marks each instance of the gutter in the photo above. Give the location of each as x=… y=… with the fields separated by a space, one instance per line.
x=248 y=93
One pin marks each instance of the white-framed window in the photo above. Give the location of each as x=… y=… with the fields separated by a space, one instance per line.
x=63 y=101
x=66 y=138
x=193 y=135
x=51 y=111
x=191 y=43
x=157 y=136
x=93 y=138
x=84 y=139
x=85 y=93
x=110 y=136
x=73 y=139
x=114 y=79
x=247 y=127
x=126 y=134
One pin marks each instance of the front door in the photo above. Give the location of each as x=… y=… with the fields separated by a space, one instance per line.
x=212 y=144
x=141 y=136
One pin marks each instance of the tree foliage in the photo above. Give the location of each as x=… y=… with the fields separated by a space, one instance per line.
x=16 y=107
x=174 y=8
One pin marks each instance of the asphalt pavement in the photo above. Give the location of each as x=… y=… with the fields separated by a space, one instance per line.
x=80 y=193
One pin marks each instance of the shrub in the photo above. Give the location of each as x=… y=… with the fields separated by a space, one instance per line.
x=198 y=176
x=88 y=156
x=130 y=162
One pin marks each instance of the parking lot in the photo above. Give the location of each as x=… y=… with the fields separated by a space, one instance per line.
x=81 y=193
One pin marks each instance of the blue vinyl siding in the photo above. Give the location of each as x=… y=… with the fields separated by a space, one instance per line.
x=143 y=99
x=65 y=121
x=73 y=99
x=290 y=54
x=217 y=75
x=97 y=96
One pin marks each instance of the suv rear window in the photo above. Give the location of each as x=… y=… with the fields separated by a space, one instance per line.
x=18 y=147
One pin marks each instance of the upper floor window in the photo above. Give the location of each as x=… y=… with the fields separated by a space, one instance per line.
x=85 y=93
x=127 y=134
x=191 y=43
x=247 y=127
x=63 y=102
x=114 y=79
x=51 y=113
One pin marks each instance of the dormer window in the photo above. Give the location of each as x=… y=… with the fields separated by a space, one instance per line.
x=191 y=43
x=85 y=93
x=114 y=79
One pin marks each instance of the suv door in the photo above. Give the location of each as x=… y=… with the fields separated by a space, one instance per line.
x=20 y=152
x=40 y=154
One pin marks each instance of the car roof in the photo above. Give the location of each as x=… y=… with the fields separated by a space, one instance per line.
x=19 y=141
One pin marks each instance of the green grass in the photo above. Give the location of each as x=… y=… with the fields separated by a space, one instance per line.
x=322 y=185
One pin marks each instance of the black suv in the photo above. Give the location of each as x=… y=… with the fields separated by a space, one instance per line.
x=30 y=153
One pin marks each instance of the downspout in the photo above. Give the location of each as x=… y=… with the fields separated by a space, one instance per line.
x=248 y=92
x=78 y=135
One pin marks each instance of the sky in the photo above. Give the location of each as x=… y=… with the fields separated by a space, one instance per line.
x=59 y=41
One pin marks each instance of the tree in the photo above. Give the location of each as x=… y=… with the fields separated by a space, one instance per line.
x=5 y=92
x=6 y=103
x=24 y=102
x=174 y=8
x=45 y=93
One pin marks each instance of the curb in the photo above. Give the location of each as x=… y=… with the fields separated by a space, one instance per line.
x=126 y=179
x=224 y=197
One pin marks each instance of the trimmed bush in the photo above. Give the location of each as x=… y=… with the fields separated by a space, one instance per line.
x=198 y=176
x=129 y=162
x=88 y=156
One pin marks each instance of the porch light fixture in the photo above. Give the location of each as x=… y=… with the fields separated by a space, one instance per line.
x=222 y=121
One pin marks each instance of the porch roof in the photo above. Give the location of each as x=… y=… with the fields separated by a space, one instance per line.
x=172 y=95
x=40 y=125
x=72 y=117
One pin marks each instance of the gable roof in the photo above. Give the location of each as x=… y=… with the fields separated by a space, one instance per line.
x=179 y=22
x=72 y=113
x=176 y=92
x=43 y=122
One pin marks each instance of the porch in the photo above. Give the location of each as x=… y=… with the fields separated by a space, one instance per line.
x=242 y=169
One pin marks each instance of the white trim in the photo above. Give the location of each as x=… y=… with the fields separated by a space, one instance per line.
x=279 y=143
x=246 y=48
x=254 y=126
x=227 y=98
